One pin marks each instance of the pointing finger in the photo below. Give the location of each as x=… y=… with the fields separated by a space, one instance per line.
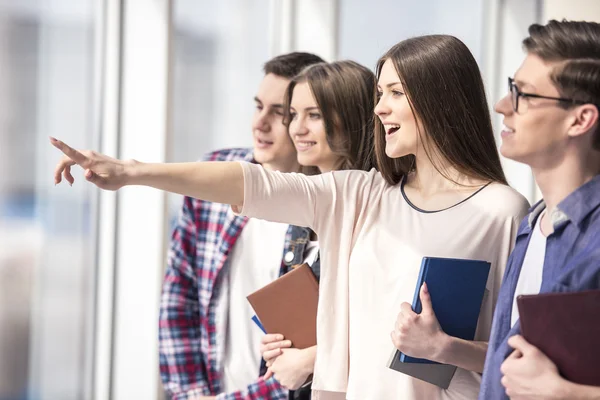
x=70 y=152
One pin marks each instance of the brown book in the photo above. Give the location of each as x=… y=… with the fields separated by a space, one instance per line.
x=565 y=327
x=288 y=305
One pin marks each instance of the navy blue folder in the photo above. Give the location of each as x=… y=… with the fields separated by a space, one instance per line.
x=456 y=288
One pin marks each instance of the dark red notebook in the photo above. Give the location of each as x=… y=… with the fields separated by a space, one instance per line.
x=565 y=327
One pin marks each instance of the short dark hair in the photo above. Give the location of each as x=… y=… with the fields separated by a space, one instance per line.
x=575 y=47
x=445 y=92
x=291 y=64
x=344 y=93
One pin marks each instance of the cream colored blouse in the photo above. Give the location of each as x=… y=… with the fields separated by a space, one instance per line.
x=372 y=243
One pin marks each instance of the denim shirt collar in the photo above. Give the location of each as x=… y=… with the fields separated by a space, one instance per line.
x=558 y=217
x=579 y=204
x=574 y=208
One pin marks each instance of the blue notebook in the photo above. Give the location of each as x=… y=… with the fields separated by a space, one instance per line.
x=456 y=288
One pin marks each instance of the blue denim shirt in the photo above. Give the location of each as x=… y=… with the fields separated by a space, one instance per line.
x=572 y=264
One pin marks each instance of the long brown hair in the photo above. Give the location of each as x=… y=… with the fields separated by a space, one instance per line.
x=344 y=92
x=445 y=92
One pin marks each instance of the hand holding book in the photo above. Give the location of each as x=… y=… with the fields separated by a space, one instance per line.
x=419 y=335
x=437 y=342
x=287 y=309
x=572 y=318
x=293 y=368
x=272 y=346
x=529 y=372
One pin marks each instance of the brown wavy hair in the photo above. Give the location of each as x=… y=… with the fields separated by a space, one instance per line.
x=344 y=93
x=445 y=92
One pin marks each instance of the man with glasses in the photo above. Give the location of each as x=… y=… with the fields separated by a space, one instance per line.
x=551 y=123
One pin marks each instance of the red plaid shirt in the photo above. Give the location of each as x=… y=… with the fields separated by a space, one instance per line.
x=194 y=300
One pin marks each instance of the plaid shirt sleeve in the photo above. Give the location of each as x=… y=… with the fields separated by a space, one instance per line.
x=259 y=390
x=182 y=367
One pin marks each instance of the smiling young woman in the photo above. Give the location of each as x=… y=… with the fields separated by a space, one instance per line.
x=329 y=112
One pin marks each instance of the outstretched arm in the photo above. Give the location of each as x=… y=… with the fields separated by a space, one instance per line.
x=295 y=199
x=220 y=182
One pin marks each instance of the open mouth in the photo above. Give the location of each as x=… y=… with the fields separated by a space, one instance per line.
x=304 y=145
x=391 y=129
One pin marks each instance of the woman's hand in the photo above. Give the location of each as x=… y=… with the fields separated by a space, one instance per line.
x=293 y=367
x=272 y=346
x=200 y=180
x=419 y=335
x=103 y=171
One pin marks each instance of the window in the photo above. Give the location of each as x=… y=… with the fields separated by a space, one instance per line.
x=218 y=52
x=47 y=255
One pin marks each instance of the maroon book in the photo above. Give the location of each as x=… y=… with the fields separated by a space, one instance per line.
x=565 y=327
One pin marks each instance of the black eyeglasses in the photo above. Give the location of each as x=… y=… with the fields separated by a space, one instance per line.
x=515 y=94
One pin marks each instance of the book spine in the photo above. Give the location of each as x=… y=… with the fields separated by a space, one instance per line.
x=416 y=303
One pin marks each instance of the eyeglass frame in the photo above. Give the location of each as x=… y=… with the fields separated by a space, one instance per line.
x=514 y=100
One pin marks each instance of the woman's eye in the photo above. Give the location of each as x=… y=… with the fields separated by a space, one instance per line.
x=278 y=112
x=292 y=115
x=397 y=93
x=314 y=115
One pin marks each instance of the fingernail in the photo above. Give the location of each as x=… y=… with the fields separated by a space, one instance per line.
x=53 y=139
x=425 y=288
x=279 y=337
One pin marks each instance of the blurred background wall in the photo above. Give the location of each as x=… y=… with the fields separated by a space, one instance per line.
x=161 y=80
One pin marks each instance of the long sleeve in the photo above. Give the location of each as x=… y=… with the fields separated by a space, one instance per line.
x=182 y=367
x=297 y=199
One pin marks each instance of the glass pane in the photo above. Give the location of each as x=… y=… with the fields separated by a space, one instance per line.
x=219 y=49
x=368 y=29
x=47 y=240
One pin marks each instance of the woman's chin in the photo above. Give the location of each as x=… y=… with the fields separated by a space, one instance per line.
x=307 y=161
x=395 y=152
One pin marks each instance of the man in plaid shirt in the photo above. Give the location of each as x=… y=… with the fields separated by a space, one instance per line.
x=207 y=340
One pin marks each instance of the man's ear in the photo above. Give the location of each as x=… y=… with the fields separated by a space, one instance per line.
x=585 y=120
